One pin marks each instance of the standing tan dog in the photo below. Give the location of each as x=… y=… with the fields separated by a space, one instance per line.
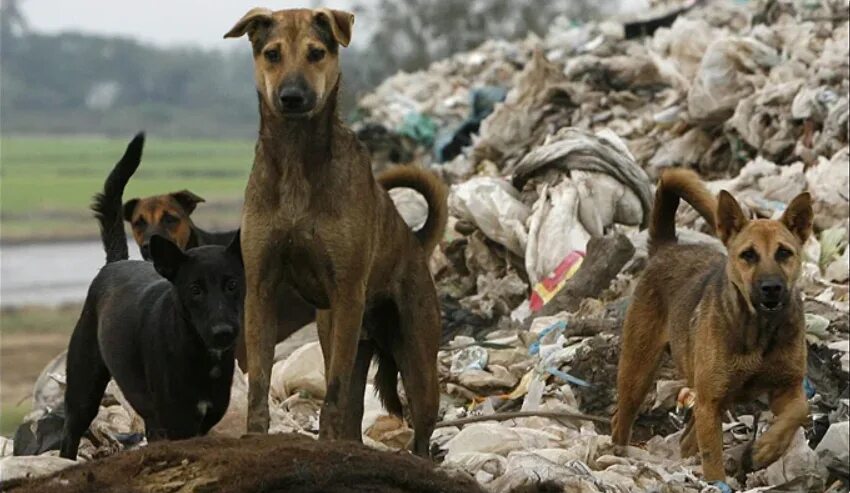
x=734 y=322
x=316 y=220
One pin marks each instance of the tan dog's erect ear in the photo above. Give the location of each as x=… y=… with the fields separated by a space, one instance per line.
x=730 y=217
x=249 y=22
x=341 y=23
x=187 y=200
x=798 y=216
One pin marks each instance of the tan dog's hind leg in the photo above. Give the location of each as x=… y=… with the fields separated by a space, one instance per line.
x=643 y=343
x=790 y=409
x=346 y=319
x=416 y=356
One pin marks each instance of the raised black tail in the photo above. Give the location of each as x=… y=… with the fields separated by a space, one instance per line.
x=107 y=205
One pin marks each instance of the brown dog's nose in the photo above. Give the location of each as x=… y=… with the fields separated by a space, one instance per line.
x=771 y=289
x=293 y=99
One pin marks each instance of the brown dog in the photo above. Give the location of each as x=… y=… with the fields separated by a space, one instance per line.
x=734 y=322
x=316 y=220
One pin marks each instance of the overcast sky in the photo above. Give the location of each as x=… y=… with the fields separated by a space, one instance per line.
x=161 y=22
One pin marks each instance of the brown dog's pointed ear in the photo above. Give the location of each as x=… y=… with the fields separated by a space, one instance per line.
x=340 y=23
x=249 y=22
x=129 y=208
x=187 y=200
x=730 y=217
x=799 y=216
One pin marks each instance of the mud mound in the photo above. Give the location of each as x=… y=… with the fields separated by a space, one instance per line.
x=272 y=463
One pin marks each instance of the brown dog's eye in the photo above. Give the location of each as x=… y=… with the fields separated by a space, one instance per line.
x=315 y=55
x=169 y=220
x=140 y=223
x=273 y=56
x=750 y=256
x=783 y=254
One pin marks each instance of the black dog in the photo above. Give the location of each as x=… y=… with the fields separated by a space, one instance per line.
x=165 y=331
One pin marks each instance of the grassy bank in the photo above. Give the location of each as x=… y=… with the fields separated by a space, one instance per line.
x=29 y=339
x=46 y=183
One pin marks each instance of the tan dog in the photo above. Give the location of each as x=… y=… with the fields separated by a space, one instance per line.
x=734 y=322
x=316 y=220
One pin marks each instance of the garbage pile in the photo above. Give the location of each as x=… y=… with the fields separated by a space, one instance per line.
x=552 y=146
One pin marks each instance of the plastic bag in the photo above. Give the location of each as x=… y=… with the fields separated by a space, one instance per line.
x=494 y=206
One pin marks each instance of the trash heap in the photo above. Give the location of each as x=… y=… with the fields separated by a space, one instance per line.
x=551 y=146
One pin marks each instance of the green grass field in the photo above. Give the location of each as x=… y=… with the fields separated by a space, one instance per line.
x=46 y=183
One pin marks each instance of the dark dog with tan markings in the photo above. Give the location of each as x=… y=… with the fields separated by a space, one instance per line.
x=734 y=322
x=315 y=219
x=169 y=216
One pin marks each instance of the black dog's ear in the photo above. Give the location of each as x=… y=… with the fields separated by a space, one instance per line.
x=235 y=246
x=187 y=200
x=129 y=207
x=167 y=257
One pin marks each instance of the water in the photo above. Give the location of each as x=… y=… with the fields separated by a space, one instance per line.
x=52 y=273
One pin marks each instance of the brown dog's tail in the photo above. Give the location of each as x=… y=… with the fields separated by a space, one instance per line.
x=435 y=192
x=675 y=184
x=107 y=205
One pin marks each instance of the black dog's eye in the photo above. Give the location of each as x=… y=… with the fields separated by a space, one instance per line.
x=315 y=55
x=783 y=254
x=273 y=55
x=168 y=219
x=231 y=286
x=140 y=223
x=750 y=256
x=195 y=289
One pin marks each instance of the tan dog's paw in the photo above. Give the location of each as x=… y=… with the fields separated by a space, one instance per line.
x=768 y=449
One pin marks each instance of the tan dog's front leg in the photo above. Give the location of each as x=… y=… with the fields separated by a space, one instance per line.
x=790 y=409
x=710 y=438
x=261 y=322
x=346 y=319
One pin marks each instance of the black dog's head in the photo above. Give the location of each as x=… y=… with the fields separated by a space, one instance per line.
x=210 y=284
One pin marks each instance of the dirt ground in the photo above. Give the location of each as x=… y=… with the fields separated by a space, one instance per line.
x=256 y=463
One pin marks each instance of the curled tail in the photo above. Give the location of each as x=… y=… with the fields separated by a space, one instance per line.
x=435 y=192
x=675 y=184
x=107 y=205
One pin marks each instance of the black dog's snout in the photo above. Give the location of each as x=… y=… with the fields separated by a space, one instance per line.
x=223 y=335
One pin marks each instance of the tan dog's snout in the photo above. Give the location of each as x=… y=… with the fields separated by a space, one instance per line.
x=296 y=67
